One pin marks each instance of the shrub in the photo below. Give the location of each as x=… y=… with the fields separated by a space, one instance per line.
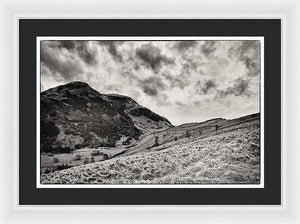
x=77 y=157
x=156 y=141
x=187 y=134
x=92 y=160
x=105 y=156
x=64 y=150
x=78 y=146
x=216 y=127
x=46 y=171
x=101 y=153
x=127 y=141
x=86 y=161
x=175 y=139
x=63 y=166
x=253 y=147
x=95 y=153
x=55 y=160
x=46 y=144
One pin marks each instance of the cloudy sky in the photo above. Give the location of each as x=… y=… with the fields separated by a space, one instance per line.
x=185 y=81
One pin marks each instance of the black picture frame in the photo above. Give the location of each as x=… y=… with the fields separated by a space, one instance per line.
x=29 y=29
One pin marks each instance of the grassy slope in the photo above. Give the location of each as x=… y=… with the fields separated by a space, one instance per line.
x=229 y=156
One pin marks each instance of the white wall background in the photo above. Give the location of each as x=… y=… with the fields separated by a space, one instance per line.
x=11 y=9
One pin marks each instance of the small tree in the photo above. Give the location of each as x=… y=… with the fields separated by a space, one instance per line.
x=95 y=153
x=217 y=127
x=92 y=160
x=105 y=156
x=175 y=139
x=187 y=134
x=86 y=161
x=156 y=141
x=77 y=157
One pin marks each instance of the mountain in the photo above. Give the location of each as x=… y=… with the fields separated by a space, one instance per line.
x=76 y=116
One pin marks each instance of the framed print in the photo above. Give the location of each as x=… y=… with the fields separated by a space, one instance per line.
x=150 y=112
x=144 y=149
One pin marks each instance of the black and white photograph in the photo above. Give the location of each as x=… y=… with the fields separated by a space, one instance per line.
x=156 y=113
x=150 y=111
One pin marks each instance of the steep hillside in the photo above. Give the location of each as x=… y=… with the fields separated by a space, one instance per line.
x=76 y=116
x=176 y=134
x=230 y=155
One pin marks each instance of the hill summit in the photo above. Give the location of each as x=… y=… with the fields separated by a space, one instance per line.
x=76 y=116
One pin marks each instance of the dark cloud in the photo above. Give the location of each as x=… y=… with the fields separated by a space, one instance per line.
x=82 y=48
x=86 y=53
x=253 y=66
x=239 y=88
x=152 y=86
x=208 y=47
x=112 y=49
x=194 y=65
x=191 y=56
x=206 y=86
x=67 y=44
x=176 y=81
x=249 y=53
x=191 y=61
x=185 y=45
x=55 y=64
x=152 y=56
